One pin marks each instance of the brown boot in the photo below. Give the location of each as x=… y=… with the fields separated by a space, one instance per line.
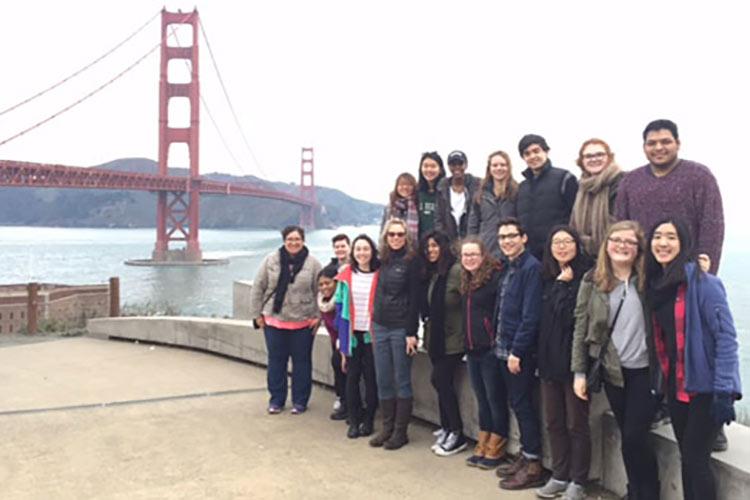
x=511 y=467
x=403 y=415
x=388 y=410
x=482 y=440
x=494 y=452
x=531 y=475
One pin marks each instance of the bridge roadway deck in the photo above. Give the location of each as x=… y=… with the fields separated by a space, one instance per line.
x=87 y=418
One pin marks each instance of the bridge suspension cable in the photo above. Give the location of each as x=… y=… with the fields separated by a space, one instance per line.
x=229 y=101
x=82 y=99
x=207 y=109
x=81 y=70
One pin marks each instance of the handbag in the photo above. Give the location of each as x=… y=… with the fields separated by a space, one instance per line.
x=594 y=374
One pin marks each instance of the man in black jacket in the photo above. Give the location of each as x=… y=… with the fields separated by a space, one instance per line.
x=547 y=194
x=454 y=196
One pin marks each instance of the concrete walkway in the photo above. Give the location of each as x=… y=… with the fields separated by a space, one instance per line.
x=85 y=418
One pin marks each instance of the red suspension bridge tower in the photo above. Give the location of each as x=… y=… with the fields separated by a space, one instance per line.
x=178 y=213
x=307 y=187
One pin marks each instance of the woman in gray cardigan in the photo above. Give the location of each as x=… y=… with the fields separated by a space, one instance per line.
x=283 y=302
x=494 y=201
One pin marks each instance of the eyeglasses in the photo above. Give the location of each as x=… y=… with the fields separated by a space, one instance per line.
x=563 y=242
x=594 y=156
x=394 y=234
x=471 y=255
x=510 y=236
x=621 y=241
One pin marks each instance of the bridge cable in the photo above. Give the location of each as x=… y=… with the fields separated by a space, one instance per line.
x=229 y=101
x=208 y=111
x=76 y=73
x=79 y=101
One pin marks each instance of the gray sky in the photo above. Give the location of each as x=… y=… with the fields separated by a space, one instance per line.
x=371 y=85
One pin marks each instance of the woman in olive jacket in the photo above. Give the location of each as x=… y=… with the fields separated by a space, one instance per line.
x=443 y=335
x=611 y=297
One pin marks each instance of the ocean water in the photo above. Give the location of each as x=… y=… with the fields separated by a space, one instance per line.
x=89 y=256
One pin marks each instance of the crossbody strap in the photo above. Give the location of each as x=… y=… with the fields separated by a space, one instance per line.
x=605 y=345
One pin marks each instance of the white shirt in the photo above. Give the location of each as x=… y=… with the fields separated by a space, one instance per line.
x=458 y=205
x=361 y=286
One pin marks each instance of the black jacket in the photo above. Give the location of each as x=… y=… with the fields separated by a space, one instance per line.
x=543 y=202
x=397 y=297
x=556 y=329
x=444 y=220
x=478 y=308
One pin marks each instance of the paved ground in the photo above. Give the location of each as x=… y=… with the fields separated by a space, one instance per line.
x=85 y=418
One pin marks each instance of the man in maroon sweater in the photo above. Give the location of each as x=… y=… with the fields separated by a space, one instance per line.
x=670 y=186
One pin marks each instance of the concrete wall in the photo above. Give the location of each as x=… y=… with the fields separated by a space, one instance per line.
x=238 y=339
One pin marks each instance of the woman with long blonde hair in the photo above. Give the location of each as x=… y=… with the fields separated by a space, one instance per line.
x=494 y=201
x=610 y=326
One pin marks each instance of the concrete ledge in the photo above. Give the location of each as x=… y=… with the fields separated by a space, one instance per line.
x=238 y=339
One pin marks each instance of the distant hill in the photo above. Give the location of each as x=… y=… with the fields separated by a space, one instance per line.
x=106 y=208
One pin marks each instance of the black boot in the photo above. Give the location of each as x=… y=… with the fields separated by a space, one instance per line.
x=720 y=441
x=403 y=415
x=388 y=410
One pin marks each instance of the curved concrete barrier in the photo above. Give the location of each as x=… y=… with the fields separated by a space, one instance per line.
x=238 y=339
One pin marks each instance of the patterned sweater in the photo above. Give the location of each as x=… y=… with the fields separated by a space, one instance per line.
x=689 y=192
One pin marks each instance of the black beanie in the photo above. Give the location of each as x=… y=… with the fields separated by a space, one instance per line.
x=530 y=139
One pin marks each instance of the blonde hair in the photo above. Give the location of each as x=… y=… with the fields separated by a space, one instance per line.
x=604 y=276
x=385 y=249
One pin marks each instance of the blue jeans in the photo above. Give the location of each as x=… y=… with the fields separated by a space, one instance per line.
x=392 y=365
x=489 y=389
x=521 y=392
x=281 y=345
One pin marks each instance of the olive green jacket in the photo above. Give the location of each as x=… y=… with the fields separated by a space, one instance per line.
x=454 y=335
x=592 y=329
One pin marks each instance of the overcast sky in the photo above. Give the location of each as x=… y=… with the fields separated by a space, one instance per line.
x=371 y=85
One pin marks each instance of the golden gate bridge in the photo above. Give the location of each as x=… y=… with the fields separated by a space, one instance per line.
x=178 y=197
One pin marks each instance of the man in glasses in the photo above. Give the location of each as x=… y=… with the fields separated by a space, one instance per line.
x=518 y=314
x=669 y=186
x=546 y=196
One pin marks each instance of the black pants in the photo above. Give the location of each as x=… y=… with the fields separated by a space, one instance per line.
x=442 y=377
x=361 y=365
x=634 y=407
x=339 y=377
x=695 y=431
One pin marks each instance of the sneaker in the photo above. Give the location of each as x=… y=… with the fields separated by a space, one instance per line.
x=337 y=405
x=574 y=491
x=454 y=443
x=553 y=488
x=298 y=410
x=275 y=410
x=440 y=436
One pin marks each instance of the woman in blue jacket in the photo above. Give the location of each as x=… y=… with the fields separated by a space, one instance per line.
x=694 y=343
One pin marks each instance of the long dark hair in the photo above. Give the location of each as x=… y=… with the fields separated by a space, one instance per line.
x=580 y=263
x=374 y=260
x=660 y=277
x=424 y=186
x=446 y=259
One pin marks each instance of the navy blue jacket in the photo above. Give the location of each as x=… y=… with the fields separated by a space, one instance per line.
x=711 y=359
x=522 y=305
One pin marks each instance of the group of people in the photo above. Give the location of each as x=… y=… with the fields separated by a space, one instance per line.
x=550 y=283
